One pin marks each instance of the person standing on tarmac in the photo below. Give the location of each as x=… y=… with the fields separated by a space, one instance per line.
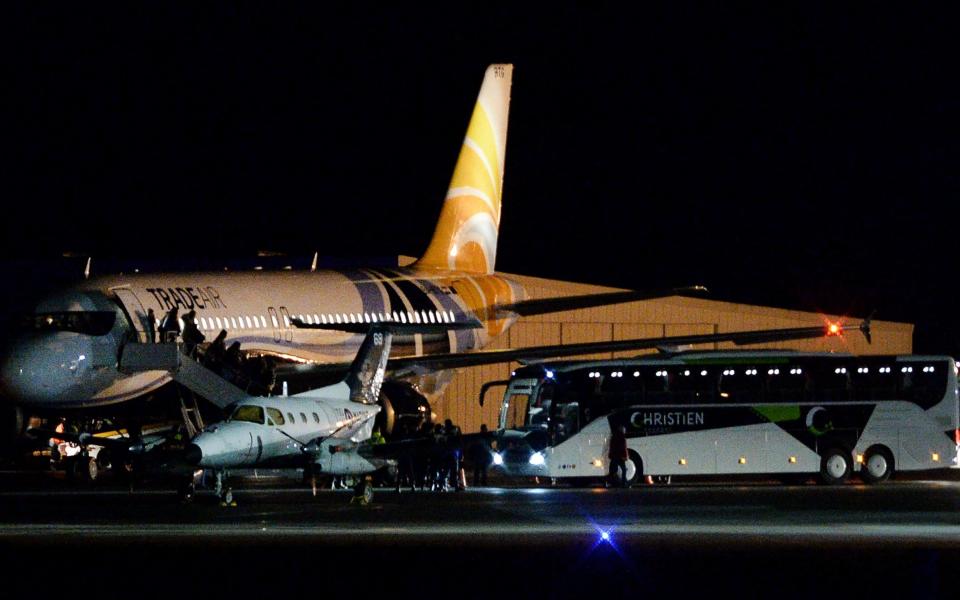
x=618 y=455
x=480 y=456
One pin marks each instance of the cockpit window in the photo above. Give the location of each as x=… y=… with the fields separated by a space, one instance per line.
x=85 y=321
x=249 y=413
x=276 y=416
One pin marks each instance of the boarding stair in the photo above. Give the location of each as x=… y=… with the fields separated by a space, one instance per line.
x=138 y=357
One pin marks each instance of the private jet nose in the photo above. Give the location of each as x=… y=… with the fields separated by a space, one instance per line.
x=193 y=454
x=47 y=369
x=216 y=447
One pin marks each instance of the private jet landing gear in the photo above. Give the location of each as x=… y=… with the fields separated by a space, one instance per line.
x=224 y=493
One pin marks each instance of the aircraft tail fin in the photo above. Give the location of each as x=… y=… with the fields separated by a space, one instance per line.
x=367 y=371
x=465 y=238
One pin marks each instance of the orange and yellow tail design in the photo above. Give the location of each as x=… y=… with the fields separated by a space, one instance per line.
x=466 y=235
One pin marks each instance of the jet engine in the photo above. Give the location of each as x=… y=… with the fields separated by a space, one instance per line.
x=405 y=410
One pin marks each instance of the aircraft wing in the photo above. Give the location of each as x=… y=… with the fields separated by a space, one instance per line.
x=425 y=364
x=526 y=308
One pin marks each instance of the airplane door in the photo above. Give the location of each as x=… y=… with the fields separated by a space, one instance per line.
x=287 y=331
x=276 y=323
x=135 y=311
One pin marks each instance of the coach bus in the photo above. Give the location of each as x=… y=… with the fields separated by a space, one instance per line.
x=732 y=413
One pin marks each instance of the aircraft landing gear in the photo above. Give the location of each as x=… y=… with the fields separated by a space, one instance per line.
x=224 y=493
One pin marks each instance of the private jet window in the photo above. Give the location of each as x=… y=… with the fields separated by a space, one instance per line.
x=274 y=319
x=316 y=419
x=263 y=321
x=249 y=413
x=316 y=318
x=249 y=323
x=219 y=325
x=290 y=416
x=240 y=322
x=86 y=322
x=276 y=416
x=233 y=322
x=303 y=418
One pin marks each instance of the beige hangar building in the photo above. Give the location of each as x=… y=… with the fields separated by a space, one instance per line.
x=670 y=316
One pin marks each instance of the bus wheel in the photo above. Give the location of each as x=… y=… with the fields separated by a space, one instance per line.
x=835 y=466
x=877 y=465
x=634 y=468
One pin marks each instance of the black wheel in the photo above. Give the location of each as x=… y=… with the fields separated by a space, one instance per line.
x=877 y=465
x=835 y=466
x=92 y=471
x=634 y=468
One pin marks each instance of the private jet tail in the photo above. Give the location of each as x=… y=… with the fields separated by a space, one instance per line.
x=366 y=373
x=466 y=235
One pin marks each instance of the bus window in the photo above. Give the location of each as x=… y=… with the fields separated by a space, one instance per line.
x=540 y=409
x=829 y=381
x=741 y=384
x=692 y=385
x=515 y=407
x=785 y=383
x=656 y=384
x=870 y=383
x=923 y=383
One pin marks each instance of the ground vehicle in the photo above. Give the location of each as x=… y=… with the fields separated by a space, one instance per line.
x=734 y=413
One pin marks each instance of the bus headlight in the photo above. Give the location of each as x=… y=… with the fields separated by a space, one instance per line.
x=497 y=458
x=536 y=459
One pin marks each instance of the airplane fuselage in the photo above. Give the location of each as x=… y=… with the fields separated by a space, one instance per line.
x=75 y=364
x=288 y=432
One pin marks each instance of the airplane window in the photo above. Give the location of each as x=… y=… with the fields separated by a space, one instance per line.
x=373 y=317
x=292 y=420
x=302 y=320
x=453 y=317
x=446 y=319
x=323 y=319
x=303 y=418
x=395 y=317
x=338 y=319
x=86 y=322
x=316 y=318
x=352 y=319
x=203 y=323
x=219 y=326
x=240 y=322
x=366 y=317
x=423 y=314
x=233 y=322
x=249 y=413
x=316 y=419
x=274 y=319
x=249 y=324
x=263 y=321
x=286 y=321
x=403 y=318
x=309 y=319
x=433 y=318
x=276 y=416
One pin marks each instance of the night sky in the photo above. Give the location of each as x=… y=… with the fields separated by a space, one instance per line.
x=796 y=157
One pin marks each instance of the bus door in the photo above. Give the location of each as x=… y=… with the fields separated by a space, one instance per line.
x=136 y=314
x=287 y=331
x=276 y=323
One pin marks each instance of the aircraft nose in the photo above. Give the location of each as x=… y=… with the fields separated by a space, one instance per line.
x=44 y=370
x=193 y=454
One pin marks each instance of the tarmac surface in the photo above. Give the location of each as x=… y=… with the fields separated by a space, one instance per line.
x=761 y=537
